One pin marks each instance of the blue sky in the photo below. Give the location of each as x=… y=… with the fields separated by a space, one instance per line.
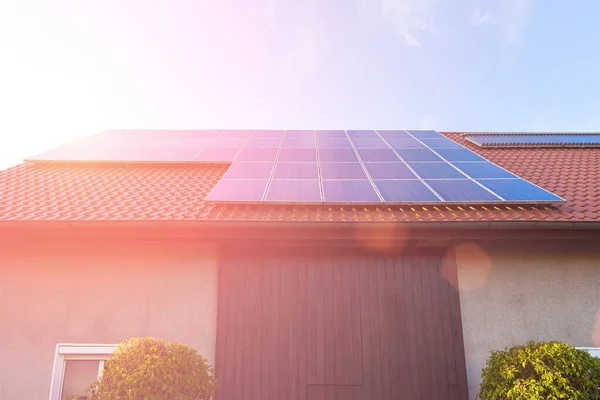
x=72 y=68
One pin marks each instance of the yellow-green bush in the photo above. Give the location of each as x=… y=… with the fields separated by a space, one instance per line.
x=541 y=370
x=153 y=369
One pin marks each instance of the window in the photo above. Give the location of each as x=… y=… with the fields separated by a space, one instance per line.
x=594 y=351
x=76 y=366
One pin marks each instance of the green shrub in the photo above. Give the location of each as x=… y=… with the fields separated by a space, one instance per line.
x=152 y=369
x=539 y=370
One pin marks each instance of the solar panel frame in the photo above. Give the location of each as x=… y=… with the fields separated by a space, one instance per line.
x=538 y=139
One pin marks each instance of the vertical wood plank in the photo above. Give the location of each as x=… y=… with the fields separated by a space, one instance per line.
x=404 y=360
x=265 y=370
x=302 y=330
x=376 y=366
x=412 y=342
x=284 y=329
x=336 y=325
x=238 y=327
x=275 y=299
x=365 y=327
x=328 y=304
x=429 y=324
x=311 y=323
x=293 y=328
x=252 y=340
x=384 y=331
x=355 y=329
x=445 y=294
x=320 y=323
x=221 y=370
x=436 y=301
x=423 y=358
x=392 y=317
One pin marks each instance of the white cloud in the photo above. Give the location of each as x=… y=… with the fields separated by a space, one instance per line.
x=509 y=18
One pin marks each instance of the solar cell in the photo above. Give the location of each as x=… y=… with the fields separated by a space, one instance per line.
x=257 y=154
x=405 y=191
x=459 y=155
x=217 y=155
x=249 y=170
x=298 y=190
x=268 y=134
x=461 y=190
x=396 y=170
x=436 y=170
x=295 y=154
x=417 y=155
x=236 y=133
x=370 y=143
x=246 y=190
x=342 y=171
x=226 y=142
x=331 y=134
x=337 y=155
x=296 y=171
x=362 y=134
x=349 y=191
x=518 y=190
x=441 y=144
x=393 y=134
x=377 y=155
x=334 y=142
x=263 y=142
x=425 y=134
x=299 y=133
x=405 y=143
x=483 y=170
x=305 y=142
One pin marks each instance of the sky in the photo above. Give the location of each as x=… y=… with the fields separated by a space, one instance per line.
x=72 y=68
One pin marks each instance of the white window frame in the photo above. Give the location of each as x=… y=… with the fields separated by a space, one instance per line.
x=75 y=351
x=594 y=351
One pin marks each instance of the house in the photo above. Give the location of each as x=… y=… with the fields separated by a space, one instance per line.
x=290 y=300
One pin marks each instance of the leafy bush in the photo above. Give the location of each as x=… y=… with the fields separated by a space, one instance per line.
x=539 y=370
x=152 y=369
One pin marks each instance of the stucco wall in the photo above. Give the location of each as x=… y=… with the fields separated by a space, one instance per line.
x=97 y=293
x=509 y=296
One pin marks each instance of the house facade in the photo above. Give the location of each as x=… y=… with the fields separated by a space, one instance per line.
x=290 y=301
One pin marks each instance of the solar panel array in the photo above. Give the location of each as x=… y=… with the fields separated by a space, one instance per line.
x=367 y=167
x=535 y=139
x=322 y=166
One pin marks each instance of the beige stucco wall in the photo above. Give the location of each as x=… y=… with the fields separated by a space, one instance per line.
x=509 y=296
x=98 y=293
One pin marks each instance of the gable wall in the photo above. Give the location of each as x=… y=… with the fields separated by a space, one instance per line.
x=510 y=295
x=97 y=293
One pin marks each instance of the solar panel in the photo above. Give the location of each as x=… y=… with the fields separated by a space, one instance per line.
x=322 y=166
x=535 y=139
x=371 y=167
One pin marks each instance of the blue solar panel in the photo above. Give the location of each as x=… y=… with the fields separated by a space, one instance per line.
x=337 y=155
x=425 y=134
x=298 y=190
x=535 y=140
x=345 y=166
x=461 y=190
x=483 y=170
x=405 y=143
x=349 y=191
x=397 y=170
x=459 y=155
x=342 y=171
x=518 y=190
x=378 y=155
x=296 y=171
x=436 y=170
x=417 y=155
x=302 y=155
x=405 y=191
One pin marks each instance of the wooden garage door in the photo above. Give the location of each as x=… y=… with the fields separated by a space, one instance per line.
x=343 y=328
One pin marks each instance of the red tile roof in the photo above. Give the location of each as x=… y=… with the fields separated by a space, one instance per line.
x=112 y=192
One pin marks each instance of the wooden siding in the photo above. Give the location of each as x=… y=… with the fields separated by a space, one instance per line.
x=339 y=327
